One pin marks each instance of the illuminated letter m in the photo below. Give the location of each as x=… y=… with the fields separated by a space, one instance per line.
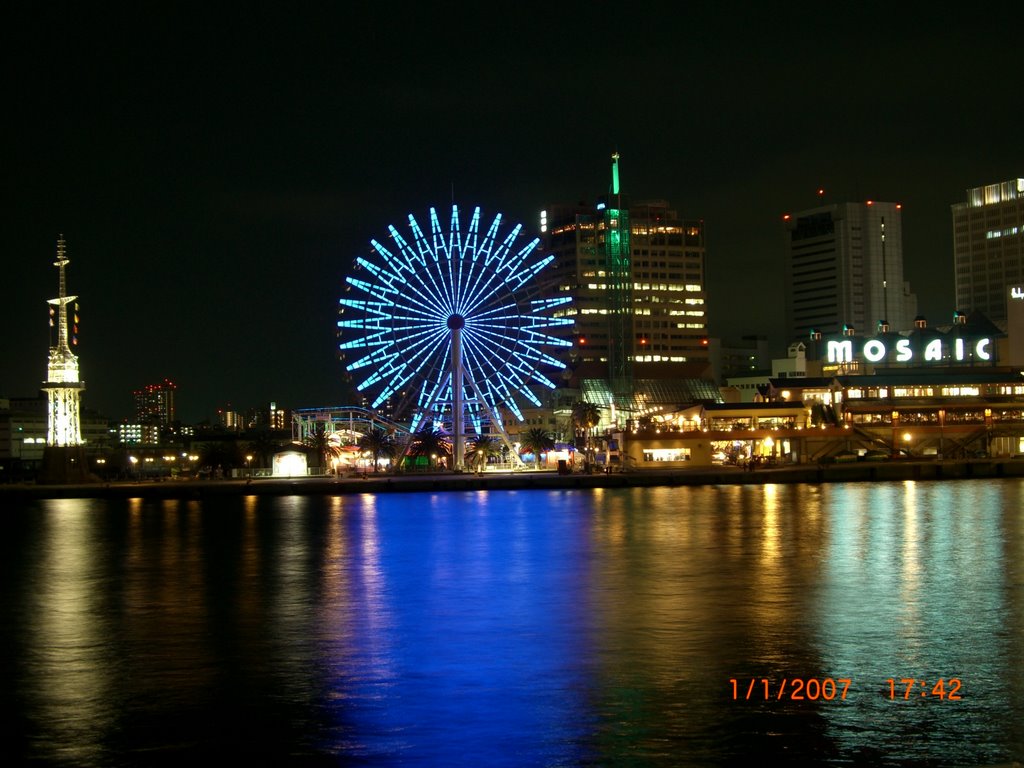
x=840 y=351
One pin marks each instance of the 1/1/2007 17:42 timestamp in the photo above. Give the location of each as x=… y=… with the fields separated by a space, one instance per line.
x=838 y=688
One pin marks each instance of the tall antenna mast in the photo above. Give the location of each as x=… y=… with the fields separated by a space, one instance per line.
x=62 y=299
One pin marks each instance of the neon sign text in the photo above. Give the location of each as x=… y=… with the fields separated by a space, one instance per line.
x=876 y=350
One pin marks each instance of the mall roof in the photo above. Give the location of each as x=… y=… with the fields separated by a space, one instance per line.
x=652 y=392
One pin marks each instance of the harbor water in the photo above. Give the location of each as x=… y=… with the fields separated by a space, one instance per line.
x=872 y=623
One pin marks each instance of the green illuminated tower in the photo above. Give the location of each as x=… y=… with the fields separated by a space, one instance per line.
x=635 y=272
x=619 y=282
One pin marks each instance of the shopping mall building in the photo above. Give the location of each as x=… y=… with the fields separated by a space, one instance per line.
x=929 y=393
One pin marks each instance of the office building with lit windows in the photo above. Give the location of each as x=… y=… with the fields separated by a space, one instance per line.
x=843 y=268
x=154 y=404
x=988 y=247
x=636 y=274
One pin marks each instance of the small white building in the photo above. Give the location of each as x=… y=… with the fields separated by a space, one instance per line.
x=290 y=464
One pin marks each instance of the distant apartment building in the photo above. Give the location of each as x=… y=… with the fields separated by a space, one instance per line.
x=154 y=404
x=274 y=418
x=231 y=419
x=844 y=268
x=134 y=433
x=988 y=247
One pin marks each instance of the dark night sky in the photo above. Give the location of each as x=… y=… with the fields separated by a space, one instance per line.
x=214 y=174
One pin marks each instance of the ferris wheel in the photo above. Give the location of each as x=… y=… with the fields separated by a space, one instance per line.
x=454 y=318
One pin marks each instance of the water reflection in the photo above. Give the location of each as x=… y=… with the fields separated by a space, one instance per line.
x=67 y=633
x=520 y=628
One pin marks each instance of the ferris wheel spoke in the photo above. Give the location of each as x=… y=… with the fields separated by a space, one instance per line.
x=482 y=289
x=469 y=276
x=453 y=253
x=440 y=291
x=539 y=305
x=490 y=239
x=529 y=272
x=382 y=292
x=424 y=350
x=485 y=295
x=378 y=309
x=437 y=391
x=495 y=313
x=501 y=380
x=410 y=258
x=386 y=275
x=543 y=339
x=500 y=257
x=431 y=294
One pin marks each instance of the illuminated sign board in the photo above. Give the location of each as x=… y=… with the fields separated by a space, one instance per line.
x=1017 y=292
x=877 y=350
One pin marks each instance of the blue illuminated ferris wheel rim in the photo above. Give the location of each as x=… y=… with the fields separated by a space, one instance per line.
x=409 y=298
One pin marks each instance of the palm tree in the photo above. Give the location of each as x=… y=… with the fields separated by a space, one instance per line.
x=585 y=416
x=429 y=442
x=378 y=443
x=536 y=440
x=320 y=443
x=263 y=445
x=481 y=450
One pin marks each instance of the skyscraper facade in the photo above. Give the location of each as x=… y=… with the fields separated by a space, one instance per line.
x=636 y=273
x=988 y=247
x=844 y=269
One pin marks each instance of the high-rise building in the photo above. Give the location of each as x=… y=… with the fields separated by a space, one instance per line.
x=636 y=274
x=844 y=269
x=988 y=247
x=154 y=404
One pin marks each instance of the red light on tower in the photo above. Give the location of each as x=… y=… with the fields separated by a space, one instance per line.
x=785 y=217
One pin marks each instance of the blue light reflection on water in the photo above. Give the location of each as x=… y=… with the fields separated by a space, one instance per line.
x=462 y=629
x=517 y=628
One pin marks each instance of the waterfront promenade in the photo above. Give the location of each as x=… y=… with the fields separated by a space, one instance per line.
x=384 y=482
